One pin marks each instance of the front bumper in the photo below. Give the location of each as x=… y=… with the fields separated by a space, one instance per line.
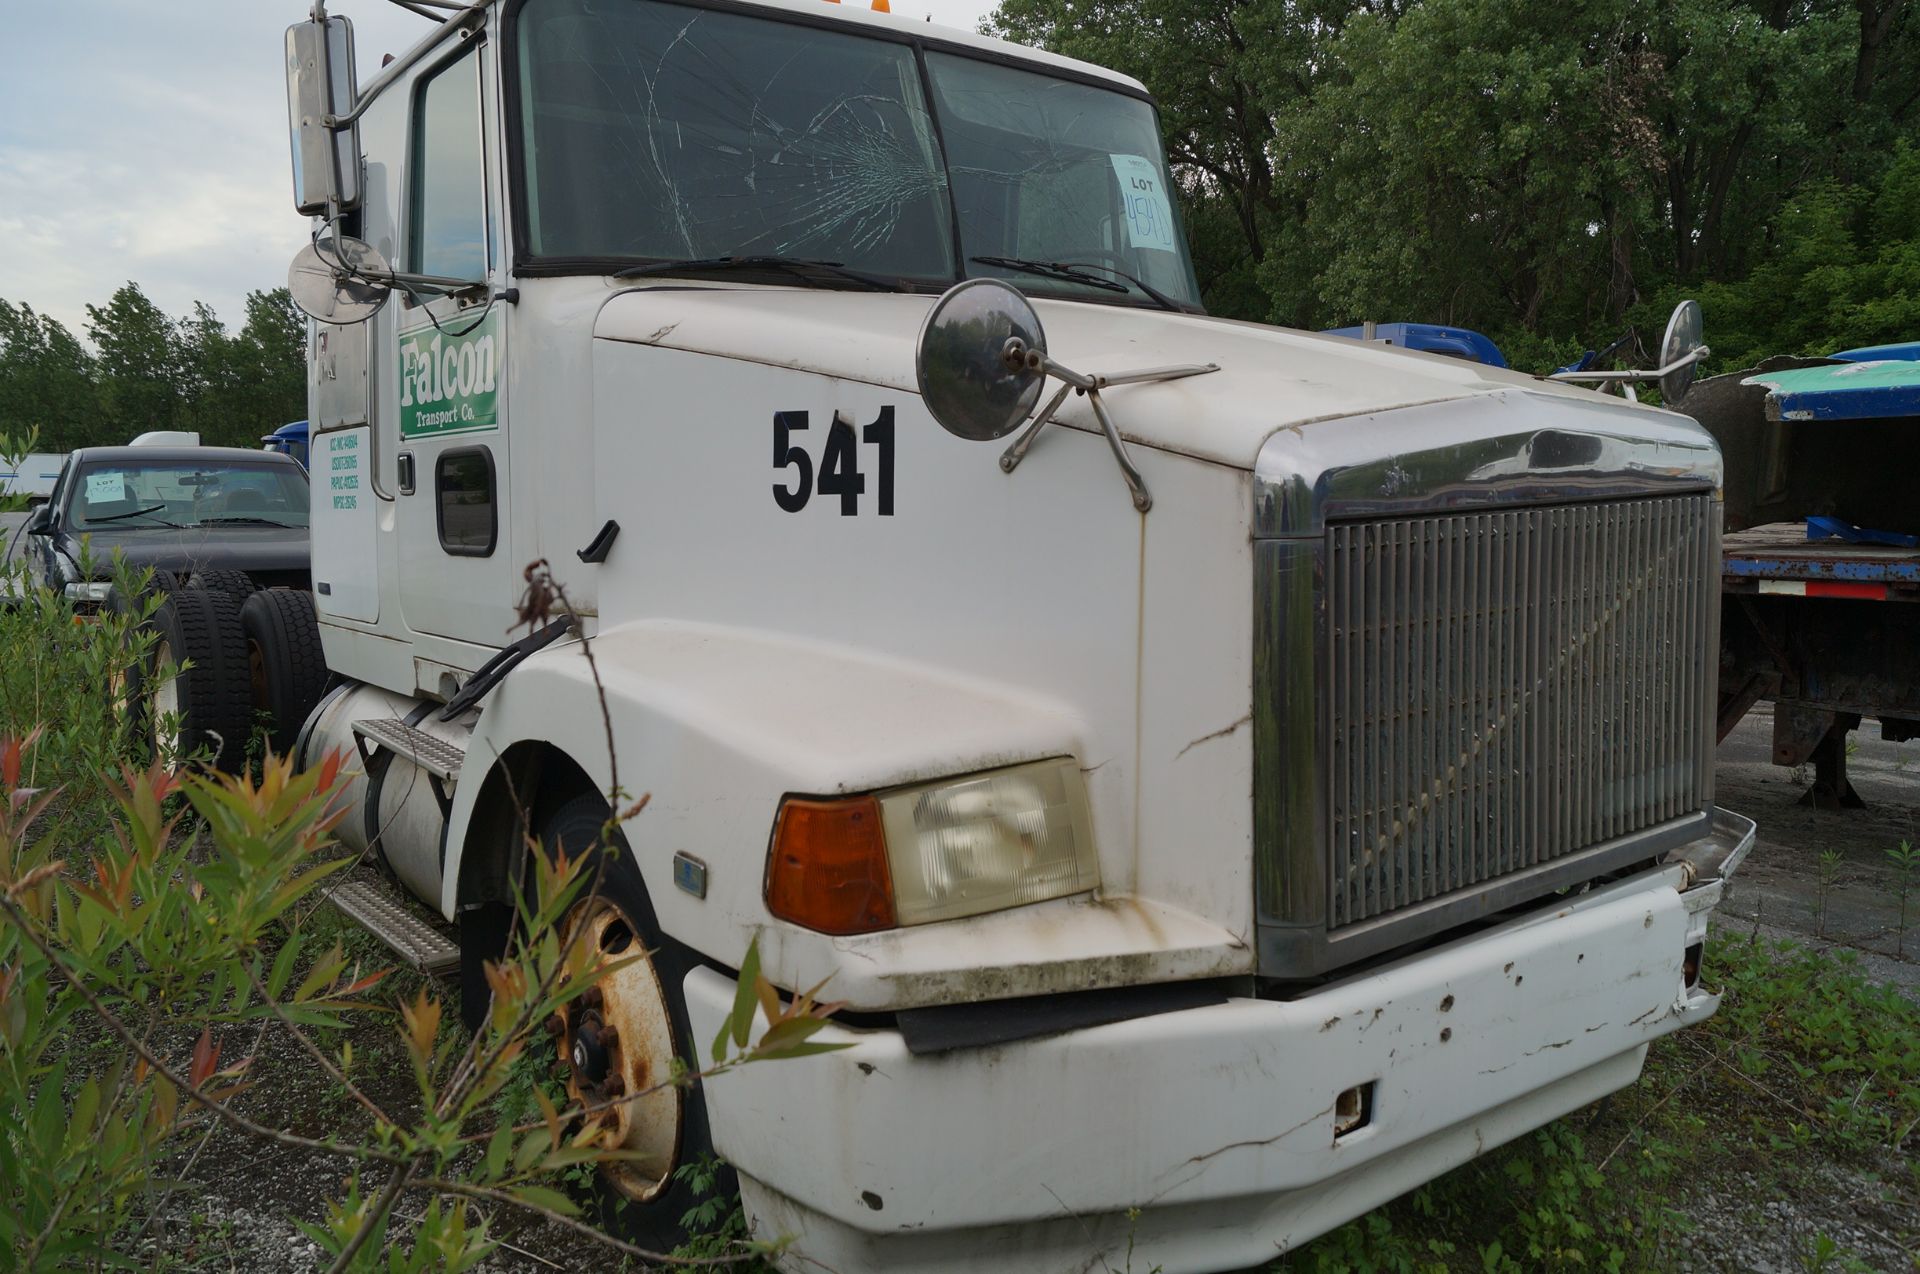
x=1217 y=1122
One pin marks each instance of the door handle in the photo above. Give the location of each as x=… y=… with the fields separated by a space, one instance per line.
x=404 y=466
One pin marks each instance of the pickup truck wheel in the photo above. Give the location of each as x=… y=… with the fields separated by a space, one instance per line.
x=127 y=680
x=206 y=705
x=621 y=1038
x=286 y=669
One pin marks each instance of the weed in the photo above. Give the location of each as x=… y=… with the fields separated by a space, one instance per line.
x=1827 y=875
x=1905 y=859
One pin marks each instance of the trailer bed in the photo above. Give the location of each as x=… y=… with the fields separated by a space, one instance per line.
x=1778 y=558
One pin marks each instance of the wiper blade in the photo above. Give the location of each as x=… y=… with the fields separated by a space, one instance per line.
x=1051 y=270
x=137 y=513
x=803 y=268
x=235 y=517
x=1154 y=294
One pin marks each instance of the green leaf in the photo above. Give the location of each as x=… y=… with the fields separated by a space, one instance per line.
x=744 y=999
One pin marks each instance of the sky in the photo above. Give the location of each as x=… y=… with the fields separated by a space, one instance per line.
x=148 y=142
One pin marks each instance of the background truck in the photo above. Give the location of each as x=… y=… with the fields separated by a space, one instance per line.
x=1821 y=566
x=1285 y=774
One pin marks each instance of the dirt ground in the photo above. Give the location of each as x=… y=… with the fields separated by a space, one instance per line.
x=227 y=1215
x=1783 y=884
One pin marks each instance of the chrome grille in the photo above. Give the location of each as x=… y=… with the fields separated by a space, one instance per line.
x=1511 y=687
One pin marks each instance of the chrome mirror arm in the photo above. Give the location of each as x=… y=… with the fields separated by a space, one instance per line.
x=1691 y=357
x=1018 y=354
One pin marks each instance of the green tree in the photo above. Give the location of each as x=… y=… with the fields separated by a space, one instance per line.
x=46 y=379
x=1538 y=172
x=142 y=365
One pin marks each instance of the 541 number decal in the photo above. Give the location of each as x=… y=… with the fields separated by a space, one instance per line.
x=840 y=473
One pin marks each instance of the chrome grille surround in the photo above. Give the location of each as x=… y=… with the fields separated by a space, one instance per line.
x=1485 y=638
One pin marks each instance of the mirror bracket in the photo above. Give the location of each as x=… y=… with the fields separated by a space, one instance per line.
x=1091 y=386
x=1681 y=352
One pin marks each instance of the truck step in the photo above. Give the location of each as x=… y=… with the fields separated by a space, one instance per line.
x=378 y=908
x=430 y=752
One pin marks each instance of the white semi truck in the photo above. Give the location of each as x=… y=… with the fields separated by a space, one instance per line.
x=1281 y=774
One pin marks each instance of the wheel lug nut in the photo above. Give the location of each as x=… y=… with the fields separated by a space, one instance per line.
x=592 y=998
x=556 y=1025
x=609 y=1038
x=614 y=1086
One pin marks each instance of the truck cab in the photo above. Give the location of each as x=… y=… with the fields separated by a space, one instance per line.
x=1281 y=774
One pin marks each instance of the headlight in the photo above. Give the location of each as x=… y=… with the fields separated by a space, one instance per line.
x=933 y=851
x=89 y=590
x=997 y=840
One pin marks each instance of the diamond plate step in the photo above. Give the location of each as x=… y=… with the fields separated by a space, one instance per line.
x=378 y=908
x=430 y=752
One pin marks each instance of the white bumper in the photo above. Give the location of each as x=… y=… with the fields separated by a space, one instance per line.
x=1218 y=1122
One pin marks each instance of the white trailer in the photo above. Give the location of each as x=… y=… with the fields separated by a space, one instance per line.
x=31 y=475
x=1282 y=774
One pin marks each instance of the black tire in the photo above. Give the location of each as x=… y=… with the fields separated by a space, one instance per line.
x=576 y=825
x=235 y=584
x=212 y=695
x=286 y=669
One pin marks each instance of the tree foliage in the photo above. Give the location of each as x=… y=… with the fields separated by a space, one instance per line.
x=147 y=370
x=1545 y=173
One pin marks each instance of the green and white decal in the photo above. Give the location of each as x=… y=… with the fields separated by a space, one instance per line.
x=450 y=383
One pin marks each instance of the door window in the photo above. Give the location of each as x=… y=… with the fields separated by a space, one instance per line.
x=447 y=226
x=463 y=487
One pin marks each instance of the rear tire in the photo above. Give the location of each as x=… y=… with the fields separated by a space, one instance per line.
x=286 y=669
x=211 y=698
x=235 y=584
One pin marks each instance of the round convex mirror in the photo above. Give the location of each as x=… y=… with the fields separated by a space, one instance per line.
x=970 y=384
x=338 y=280
x=1685 y=334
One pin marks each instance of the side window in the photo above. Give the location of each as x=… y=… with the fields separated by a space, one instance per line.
x=464 y=495
x=447 y=216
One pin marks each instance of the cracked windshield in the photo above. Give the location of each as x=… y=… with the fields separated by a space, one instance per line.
x=708 y=134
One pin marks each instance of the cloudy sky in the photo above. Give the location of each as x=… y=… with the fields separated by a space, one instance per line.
x=148 y=141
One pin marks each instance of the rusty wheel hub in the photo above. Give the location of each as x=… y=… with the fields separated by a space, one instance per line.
x=615 y=1044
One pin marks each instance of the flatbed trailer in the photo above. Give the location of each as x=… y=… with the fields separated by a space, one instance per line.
x=1830 y=633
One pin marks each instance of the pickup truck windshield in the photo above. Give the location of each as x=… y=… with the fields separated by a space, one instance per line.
x=653 y=131
x=131 y=496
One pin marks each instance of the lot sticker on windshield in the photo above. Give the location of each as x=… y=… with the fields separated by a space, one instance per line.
x=449 y=383
x=1149 y=214
x=105 y=488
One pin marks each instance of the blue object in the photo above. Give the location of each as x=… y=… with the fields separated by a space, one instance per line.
x=1876 y=390
x=1824 y=528
x=1905 y=352
x=1431 y=338
x=289 y=440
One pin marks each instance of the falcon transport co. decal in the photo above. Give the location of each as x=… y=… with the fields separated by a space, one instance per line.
x=449 y=379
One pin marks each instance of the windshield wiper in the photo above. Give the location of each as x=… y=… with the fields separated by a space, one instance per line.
x=239 y=517
x=1071 y=270
x=803 y=268
x=1050 y=270
x=137 y=513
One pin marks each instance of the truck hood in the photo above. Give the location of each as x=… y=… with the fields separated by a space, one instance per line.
x=1270 y=378
x=241 y=548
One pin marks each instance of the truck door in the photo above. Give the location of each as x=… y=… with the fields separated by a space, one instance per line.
x=457 y=578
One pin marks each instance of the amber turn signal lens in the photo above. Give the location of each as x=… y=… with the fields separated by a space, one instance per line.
x=828 y=870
